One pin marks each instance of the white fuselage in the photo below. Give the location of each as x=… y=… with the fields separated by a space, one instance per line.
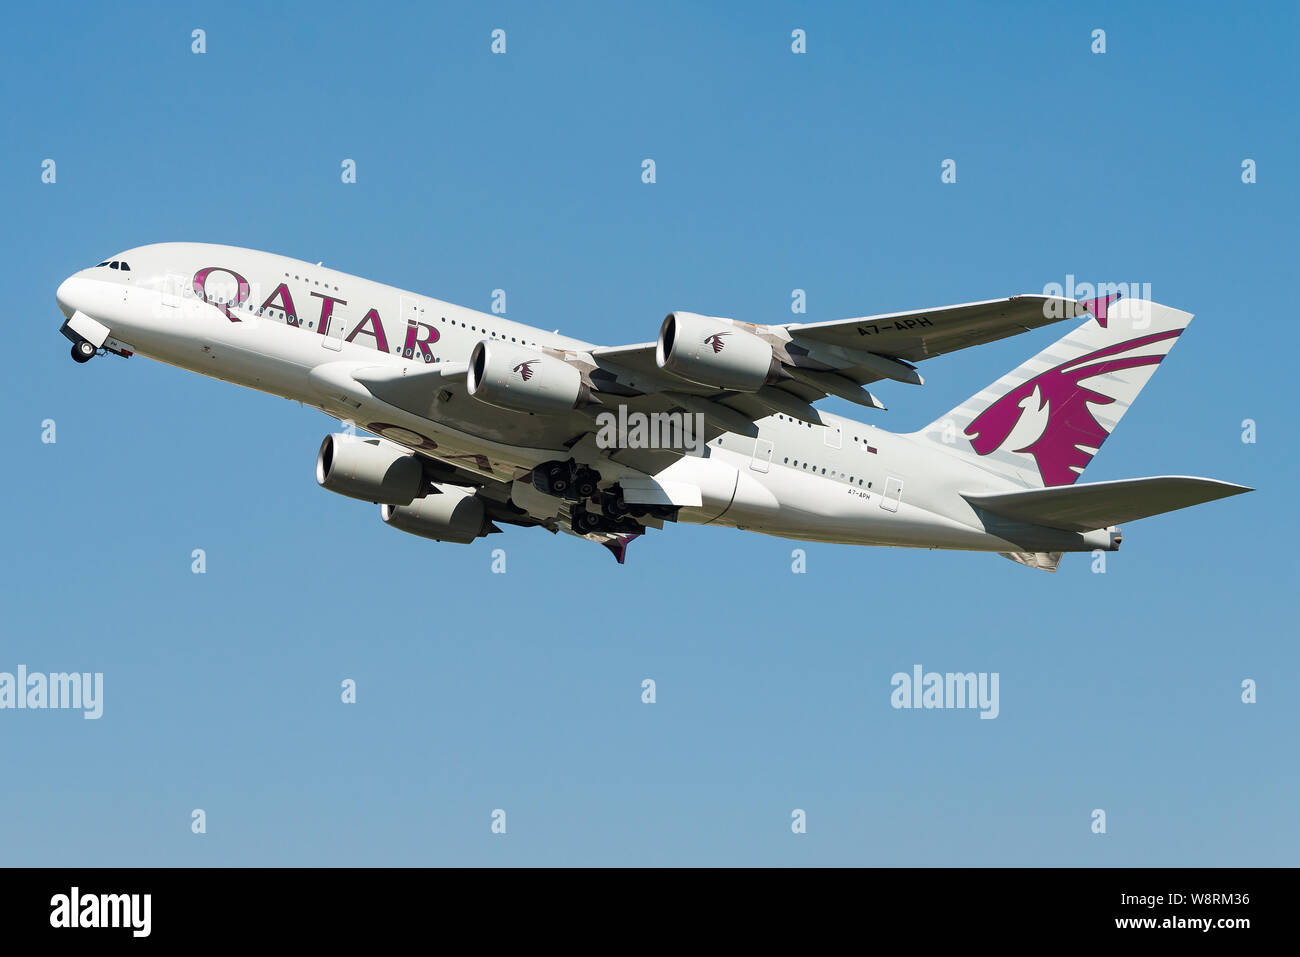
x=298 y=330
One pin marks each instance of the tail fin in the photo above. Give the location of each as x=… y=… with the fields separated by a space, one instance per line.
x=1041 y=424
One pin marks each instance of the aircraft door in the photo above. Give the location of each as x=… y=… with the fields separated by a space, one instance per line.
x=892 y=495
x=333 y=337
x=411 y=314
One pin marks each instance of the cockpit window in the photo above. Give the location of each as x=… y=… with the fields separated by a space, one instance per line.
x=104 y=263
x=125 y=267
x=113 y=265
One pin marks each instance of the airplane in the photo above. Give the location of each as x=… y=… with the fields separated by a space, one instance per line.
x=458 y=422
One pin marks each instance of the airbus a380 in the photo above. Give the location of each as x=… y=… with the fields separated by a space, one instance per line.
x=474 y=421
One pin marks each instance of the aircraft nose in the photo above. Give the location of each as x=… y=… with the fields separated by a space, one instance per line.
x=63 y=295
x=72 y=294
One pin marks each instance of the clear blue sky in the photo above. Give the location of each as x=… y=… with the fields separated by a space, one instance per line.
x=522 y=691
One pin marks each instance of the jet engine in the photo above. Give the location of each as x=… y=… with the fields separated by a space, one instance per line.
x=369 y=469
x=715 y=352
x=524 y=380
x=453 y=514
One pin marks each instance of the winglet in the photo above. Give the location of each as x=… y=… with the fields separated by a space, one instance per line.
x=618 y=546
x=1099 y=306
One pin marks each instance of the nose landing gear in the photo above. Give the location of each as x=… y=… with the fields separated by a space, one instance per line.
x=83 y=351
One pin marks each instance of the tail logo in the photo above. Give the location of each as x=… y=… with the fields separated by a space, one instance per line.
x=1048 y=415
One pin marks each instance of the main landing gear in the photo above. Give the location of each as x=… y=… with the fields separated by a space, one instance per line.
x=586 y=522
x=568 y=480
x=83 y=351
x=613 y=506
x=580 y=485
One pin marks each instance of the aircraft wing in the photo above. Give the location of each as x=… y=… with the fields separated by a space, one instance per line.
x=830 y=358
x=926 y=333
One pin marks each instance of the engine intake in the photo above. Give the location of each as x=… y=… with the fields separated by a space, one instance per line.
x=524 y=380
x=713 y=352
x=455 y=515
x=369 y=469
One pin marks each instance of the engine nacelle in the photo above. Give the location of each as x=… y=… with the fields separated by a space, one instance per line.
x=524 y=380
x=712 y=352
x=369 y=469
x=454 y=515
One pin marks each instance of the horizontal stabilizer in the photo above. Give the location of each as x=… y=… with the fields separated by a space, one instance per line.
x=1093 y=505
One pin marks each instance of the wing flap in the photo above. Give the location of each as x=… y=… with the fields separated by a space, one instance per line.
x=1093 y=505
x=1043 y=561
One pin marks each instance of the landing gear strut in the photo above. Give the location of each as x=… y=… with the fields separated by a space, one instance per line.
x=83 y=351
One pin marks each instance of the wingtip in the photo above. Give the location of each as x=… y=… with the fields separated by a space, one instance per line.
x=618 y=547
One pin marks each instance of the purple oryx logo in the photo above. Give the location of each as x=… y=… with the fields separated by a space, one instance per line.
x=715 y=340
x=1058 y=404
x=525 y=369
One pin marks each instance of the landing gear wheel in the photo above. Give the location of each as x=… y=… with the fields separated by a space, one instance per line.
x=586 y=522
x=83 y=351
x=613 y=506
x=557 y=477
x=585 y=483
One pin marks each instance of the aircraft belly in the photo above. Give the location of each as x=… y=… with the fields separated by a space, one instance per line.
x=814 y=508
